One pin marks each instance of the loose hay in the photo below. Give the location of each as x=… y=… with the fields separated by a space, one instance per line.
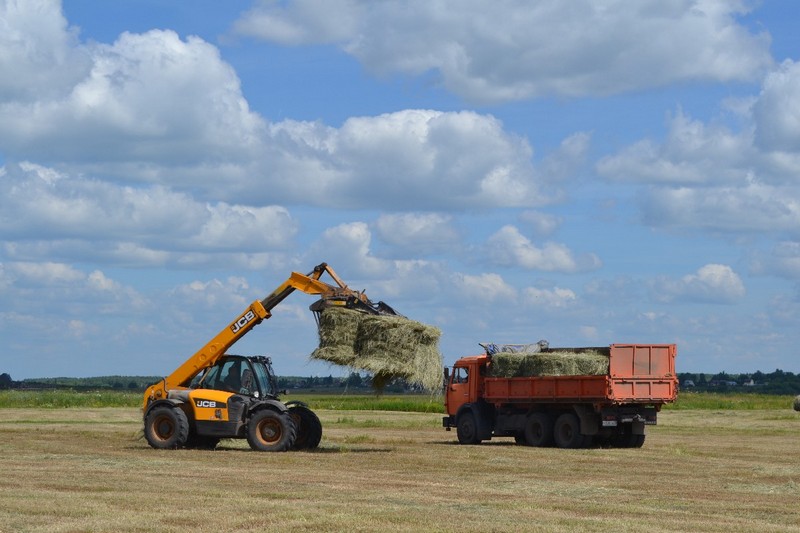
x=386 y=346
x=555 y=363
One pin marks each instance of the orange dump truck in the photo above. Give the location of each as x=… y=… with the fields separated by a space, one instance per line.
x=569 y=411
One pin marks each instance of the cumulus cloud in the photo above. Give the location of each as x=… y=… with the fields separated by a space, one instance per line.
x=41 y=51
x=712 y=283
x=411 y=159
x=508 y=247
x=756 y=207
x=777 y=110
x=418 y=233
x=548 y=298
x=158 y=108
x=783 y=260
x=692 y=153
x=40 y=204
x=484 y=288
x=149 y=97
x=709 y=176
x=490 y=54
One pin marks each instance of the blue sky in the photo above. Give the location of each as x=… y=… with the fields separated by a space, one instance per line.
x=582 y=172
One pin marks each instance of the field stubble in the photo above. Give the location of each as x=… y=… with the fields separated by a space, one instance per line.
x=83 y=469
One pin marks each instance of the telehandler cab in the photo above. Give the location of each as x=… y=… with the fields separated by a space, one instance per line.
x=214 y=395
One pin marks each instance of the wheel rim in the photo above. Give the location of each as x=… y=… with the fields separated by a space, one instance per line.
x=270 y=431
x=163 y=427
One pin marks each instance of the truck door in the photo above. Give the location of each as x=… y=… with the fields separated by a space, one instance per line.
x=458 y=390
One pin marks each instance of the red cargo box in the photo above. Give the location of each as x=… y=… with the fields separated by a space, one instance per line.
x=637 y=374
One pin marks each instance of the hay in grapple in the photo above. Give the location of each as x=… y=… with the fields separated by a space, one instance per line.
x=555 y=363
x=338 y=331
x=386 y=346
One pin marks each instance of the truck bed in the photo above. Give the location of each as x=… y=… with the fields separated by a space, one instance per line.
x=637 y=374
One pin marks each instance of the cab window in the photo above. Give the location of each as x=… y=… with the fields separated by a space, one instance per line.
x=460 y=375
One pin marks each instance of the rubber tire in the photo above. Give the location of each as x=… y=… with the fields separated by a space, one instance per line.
x=166 y=427
x=567 y=431
x=271 y=431
x=467 y=428
x=539 y=430
x=309 y=428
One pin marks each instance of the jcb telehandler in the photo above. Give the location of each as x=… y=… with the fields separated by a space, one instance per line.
x=215 y=396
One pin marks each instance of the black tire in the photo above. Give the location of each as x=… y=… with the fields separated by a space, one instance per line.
x=309 y=428
x=567 y=431
x=271 y=431
x=467 y=428
x=539 y=430
x=166 y=427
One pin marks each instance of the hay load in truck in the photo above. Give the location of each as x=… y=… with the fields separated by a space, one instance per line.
x=568 y=397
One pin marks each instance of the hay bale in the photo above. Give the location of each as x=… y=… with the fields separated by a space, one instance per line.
x=338 y=332
x=797 y=403
x=386 y=346
x=555 y=363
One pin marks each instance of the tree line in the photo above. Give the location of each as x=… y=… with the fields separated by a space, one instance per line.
x=777 y=382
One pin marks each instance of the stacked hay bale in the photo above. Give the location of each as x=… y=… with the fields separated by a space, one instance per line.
x=555 y=363
x=386 y=346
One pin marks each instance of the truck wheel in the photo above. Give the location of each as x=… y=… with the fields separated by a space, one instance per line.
x=567 y=431
x=539 y=430
x=270 y=431
x=467 y=428
x=309 y=428
x=166 y=427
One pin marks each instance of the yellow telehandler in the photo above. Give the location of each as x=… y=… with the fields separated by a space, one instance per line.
x=215 y=395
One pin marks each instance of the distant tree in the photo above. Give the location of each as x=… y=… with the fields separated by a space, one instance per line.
x=5 y=381
x=355 y=380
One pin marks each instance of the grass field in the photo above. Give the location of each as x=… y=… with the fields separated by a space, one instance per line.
x=85 y=469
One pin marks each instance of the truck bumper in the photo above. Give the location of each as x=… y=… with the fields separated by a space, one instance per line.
x=448 y=422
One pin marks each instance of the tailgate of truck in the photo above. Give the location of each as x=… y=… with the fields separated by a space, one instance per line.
x=642 y=373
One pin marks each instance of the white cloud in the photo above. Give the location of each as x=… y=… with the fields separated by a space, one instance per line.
x=712 y=283
x=777 y=110
x=513 y=50
x=484 y=288
x=784 y=261
x=753 y=208
x=147 y=99
x=39 y=55
x=412 y=159
x=418 y=233
x=691 y=154
x=707 y=176
x=508 y=247
x=548 y=298
x=542 y=224
x=40 y=204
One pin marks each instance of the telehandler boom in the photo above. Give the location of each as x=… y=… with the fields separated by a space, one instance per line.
x=213 y=395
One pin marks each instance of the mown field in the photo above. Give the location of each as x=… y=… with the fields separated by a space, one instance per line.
x=725 y=468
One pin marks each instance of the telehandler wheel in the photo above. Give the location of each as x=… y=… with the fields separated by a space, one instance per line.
x=271 y=431
x=539 y=430
x=567 y=431
x=166 y=427
x=467 y=428
x=309 y=428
